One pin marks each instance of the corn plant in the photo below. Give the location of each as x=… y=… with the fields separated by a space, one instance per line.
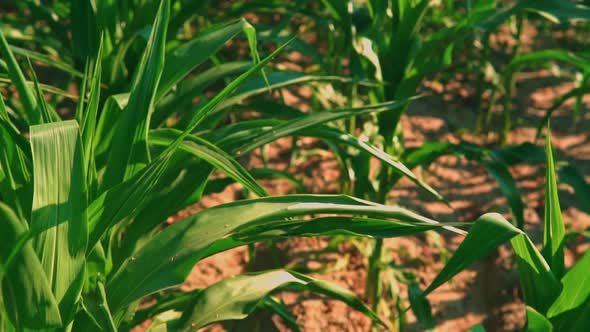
x=556 y=299
x=83 y=201
x=555 y=12
x=383 y=42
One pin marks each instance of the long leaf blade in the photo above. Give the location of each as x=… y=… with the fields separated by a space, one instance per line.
x=129 y=152
x=180 y=245
x=237 y=297
x=26 y=293
x=554 y=228
x=58 y=219
x=213 y=155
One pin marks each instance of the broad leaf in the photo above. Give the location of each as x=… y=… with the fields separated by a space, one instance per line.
x=166 y=259
x=237 y=297
x=536 y=322
x=488 y=232
x=576 y=288
x=539 y=285
x=58 y=220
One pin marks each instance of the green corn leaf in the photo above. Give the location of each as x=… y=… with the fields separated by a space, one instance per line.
x=26 y=292
x=536 y=322
x=177 y=301
x=539 y=285
x=83 y=89
x=425 y=154
x=420 y=306
x=364 y=146
x=48 y=114
x=188 y=89
x=573 y=320
x=212 y=105
x=554 y=228
x=237 y=297
x=30 y=114
x=110 y=114
x=47 y=88
x=576 y=288
x=212 y=154
x=88 y=123
x=517 y=154
x=122 y=202
x=557 y=10
x=15 y=164
x=180 y=245
x=187 y=57
x=313 y=129
x=477 y=328
x=318 y=118
x=573 y=93
x=98 y=311
x=129 y=150
x=84 y=29
x=310 y=125
x=276 y=80
x=329 y=226
x=548 y=55
x=58 y=219
x=126 y=199
x=488 y=232
x=181 y=185
x=47 y=60
x=275 y=306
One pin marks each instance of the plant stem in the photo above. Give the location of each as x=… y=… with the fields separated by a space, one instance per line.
x=373 y=288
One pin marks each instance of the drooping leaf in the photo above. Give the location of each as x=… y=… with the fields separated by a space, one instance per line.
x=176 y=248
x=212 y=154
x=558 y=11
x=488 y=232
x=57 y=63
x=237 y=297
x=275 y=306
x=276 y=80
